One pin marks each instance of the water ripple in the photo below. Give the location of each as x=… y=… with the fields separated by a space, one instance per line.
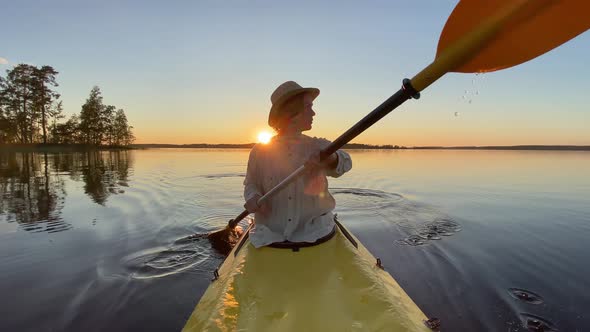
x=525 y=296
x=224 y=175
x=365 y=199
x=422 y=222
x=432 y=231
x=49 y=226
x=215 y=220
x=161 y=262
x=537 y=324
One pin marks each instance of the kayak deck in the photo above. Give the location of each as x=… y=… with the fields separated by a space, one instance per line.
x=333 y=286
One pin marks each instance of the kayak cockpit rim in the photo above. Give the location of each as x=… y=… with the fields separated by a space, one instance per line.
x=296 y=245
x=345 y=232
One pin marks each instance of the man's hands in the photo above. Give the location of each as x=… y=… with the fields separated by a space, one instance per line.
x=312 y=164
x=314 y=161
x=252 y=205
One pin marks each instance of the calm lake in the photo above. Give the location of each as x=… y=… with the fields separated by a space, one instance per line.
x=483 y=240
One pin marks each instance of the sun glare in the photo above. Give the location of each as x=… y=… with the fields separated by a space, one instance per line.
x=264 y=137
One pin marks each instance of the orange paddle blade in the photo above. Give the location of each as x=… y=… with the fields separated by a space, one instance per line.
x=540 y=26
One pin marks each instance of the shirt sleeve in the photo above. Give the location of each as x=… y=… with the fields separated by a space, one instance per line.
x=344 y=161
x=251 y=187
x=344 y=164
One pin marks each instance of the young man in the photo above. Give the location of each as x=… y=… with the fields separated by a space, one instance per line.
x=302 y=212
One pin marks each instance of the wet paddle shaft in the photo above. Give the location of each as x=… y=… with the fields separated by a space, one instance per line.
x=473 y=40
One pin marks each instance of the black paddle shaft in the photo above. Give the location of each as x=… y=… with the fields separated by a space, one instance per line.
x=398 y=98
x=403 y=94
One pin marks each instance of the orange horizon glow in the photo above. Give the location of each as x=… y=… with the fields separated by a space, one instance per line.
x=409 y=136
x=440 y=138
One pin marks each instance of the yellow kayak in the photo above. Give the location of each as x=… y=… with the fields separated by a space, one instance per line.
x=333 y=286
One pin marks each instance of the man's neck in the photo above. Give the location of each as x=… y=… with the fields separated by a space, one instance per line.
x=290 y=132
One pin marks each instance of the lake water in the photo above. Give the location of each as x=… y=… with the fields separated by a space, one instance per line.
x=483 y=240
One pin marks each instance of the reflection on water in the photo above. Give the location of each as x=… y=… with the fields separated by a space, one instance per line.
x=33 y=190
x=103 y=173
x=30 y=195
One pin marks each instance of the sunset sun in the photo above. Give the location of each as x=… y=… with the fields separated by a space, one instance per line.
x=264 y=137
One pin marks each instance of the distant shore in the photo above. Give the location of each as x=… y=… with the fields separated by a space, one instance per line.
x=510 y=147
x=351 y=146
x=381 y=147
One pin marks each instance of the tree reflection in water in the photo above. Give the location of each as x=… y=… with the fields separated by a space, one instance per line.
x=33 y=184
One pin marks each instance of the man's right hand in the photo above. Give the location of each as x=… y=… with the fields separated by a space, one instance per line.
x=252 y=205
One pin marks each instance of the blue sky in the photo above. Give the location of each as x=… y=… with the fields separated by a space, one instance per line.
x=203 y=71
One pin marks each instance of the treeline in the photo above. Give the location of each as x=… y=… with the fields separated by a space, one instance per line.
x=31 y=112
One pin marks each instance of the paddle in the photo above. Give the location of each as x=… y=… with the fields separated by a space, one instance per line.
x=479 y=36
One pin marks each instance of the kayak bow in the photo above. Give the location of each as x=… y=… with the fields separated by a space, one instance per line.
x=333 y=286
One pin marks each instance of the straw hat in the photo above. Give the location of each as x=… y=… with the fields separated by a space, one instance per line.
x=284 y=92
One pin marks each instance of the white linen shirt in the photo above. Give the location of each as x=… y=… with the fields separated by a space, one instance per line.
x=301 y=212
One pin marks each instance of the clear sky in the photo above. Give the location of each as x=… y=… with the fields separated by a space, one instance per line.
x=203 y=71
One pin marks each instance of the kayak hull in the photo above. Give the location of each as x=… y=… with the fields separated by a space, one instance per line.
x=333 y=286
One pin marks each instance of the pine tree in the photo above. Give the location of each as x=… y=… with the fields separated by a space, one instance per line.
x=44 y=97
x=90 y=118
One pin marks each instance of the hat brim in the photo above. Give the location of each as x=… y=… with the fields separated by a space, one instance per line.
x=315 y=92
